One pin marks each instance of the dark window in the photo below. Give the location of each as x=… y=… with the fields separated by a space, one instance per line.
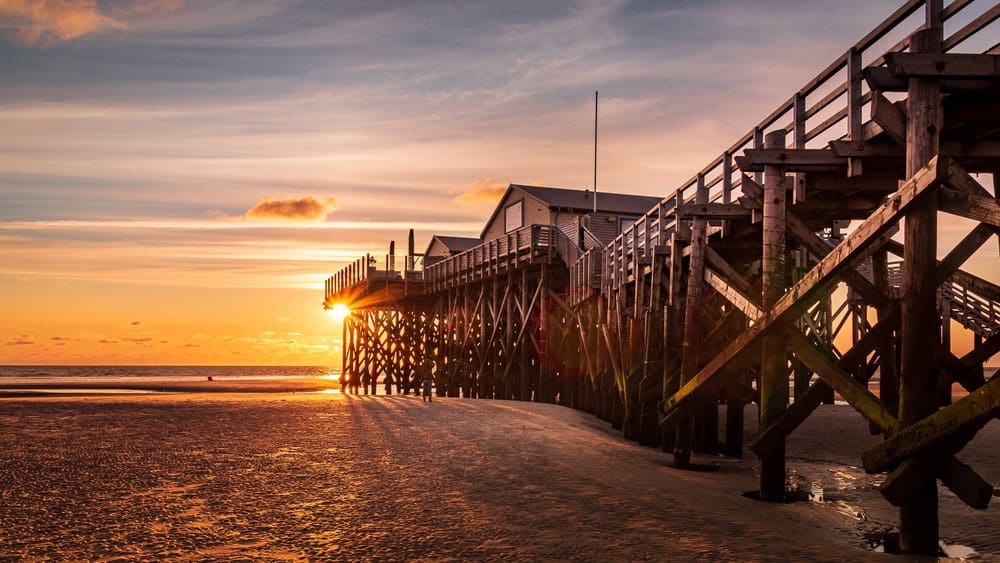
x=513 y=216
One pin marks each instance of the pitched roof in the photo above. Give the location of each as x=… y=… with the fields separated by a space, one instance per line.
x=458 y=244
x=582 y=200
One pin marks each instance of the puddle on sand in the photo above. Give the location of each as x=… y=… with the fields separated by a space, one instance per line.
x=888 y=542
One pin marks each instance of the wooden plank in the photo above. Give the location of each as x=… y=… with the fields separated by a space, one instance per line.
x=817 y=280
x=792 y=160
x=854 y=392
x=975 y=207
x=934 y=431
x=943 y=65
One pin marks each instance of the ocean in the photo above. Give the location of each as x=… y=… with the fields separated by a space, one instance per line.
x=20 y=378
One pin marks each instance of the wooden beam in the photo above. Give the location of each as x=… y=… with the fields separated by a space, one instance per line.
x=854 y=392
x=732 y=277
x=817 y=280
x=864 y=183
x=918 y=528
x=958 y=150
x=881 y=79
x=934 y=431
x=713 y=210
x=943 y=65
x=773 y=382
x=975 y=207
x=890 y=118
x=819 y=248
x=731 y=294
x=792 y=160
x=805 y=404
x=968 y=377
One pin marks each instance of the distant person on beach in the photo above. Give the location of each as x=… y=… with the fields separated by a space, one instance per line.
x=366 y=380
x=354 y=383
x=427 y=383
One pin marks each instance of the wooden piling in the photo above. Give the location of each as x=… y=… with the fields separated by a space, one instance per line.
x=691 y=347
x=774 y=366
x=918 y=526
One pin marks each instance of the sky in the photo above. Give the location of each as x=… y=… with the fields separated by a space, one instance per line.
x=178 y=177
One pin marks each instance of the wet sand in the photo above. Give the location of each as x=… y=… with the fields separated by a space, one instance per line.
x=326 y=476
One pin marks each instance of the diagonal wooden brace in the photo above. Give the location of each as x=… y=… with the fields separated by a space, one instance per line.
x=815 y=282
x=971 y=206
x=852 y=390
x=936 y=430
x=803 y=406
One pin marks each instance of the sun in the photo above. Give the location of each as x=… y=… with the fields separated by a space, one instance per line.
x=339 y=311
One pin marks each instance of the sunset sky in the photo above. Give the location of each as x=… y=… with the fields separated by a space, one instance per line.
x=177 y=178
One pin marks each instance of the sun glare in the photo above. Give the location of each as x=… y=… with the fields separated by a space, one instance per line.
x=339 y=311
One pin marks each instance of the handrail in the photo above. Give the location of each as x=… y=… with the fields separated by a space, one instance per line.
x=353 y=274
x=500 y=254
x=654 y=227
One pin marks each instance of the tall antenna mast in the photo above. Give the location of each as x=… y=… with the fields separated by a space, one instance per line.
x=595 y=151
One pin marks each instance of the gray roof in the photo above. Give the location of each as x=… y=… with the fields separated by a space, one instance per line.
x=582 y=200
x=458 y=244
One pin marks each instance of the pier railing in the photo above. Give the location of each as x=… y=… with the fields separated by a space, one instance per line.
x=511 y=251
x=353 y=274
x=970 y=300
x=828 y=107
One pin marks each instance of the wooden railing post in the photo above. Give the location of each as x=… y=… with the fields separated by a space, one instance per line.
x=799 y=142
x=854 y=102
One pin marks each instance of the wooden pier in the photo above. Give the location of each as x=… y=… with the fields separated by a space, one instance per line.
x=805 y=253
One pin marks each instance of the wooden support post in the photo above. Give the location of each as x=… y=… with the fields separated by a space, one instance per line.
x=544 y=392
x=673 y=334
x=524 y=337
x=691 y=346
x=888 y=372
x=774 y=371
x=918 y=527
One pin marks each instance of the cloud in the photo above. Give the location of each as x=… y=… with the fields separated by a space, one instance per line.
x=45 y=22
x=482 y=191
x=150 y=7
x=305 y=208
x=20 y=342
x=135 y=323
x=107 y=341
x=138 y=340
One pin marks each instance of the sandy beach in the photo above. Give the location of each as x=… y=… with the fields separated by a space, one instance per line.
x=280 y=476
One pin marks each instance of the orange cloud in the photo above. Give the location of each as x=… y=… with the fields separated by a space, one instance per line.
x=45 y=22
x=305 y=208
x=48 y=21
x=481 y=192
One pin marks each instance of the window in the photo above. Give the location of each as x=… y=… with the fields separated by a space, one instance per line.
x=513 y=216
